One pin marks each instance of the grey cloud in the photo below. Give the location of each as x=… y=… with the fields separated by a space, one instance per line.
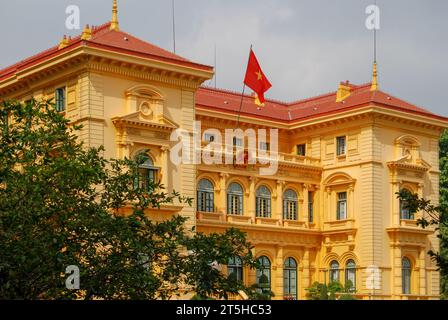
x=305 y=47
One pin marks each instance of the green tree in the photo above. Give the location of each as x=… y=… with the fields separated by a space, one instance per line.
x=443 y=150
x=333 y=291
x=61 y=204
x=206 y=254
x=436 y=217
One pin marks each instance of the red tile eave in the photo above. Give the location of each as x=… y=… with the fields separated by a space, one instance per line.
x=327 y=113
x=421 y=113
x=32 y=61
x=154 y=57
x=10 y=71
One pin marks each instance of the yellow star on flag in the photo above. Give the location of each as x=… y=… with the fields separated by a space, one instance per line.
x=259 y=75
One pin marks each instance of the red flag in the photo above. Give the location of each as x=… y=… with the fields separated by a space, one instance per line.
x=255 y=78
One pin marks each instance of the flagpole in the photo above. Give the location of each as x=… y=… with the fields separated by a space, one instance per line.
x=242 y=94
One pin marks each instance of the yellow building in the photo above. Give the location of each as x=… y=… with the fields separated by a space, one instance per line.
x=329 y=213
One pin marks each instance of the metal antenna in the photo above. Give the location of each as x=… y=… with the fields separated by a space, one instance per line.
x=216 y=67
x=374 y=39
x=174 y=24
x=374 y=86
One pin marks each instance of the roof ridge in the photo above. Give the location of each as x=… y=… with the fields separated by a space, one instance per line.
x=328 y=94
x=246 y=95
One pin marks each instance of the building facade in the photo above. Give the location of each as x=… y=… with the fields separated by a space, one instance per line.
x=330 y=212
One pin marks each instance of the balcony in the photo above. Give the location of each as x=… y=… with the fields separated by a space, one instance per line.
x=339 y=229
x=245 y=154
x=267 y=221
x=220 y=218
x=339 y=225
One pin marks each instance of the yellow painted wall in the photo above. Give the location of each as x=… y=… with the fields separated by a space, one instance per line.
x=370 y=235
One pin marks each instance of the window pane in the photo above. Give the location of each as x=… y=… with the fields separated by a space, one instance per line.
x=264 y=146
x=235 y=268
x=301 y=149
x=60 y=99
x=405 y=212
x=264 y=275
x=237 y=142
x=342 y=206
x=310 y=206
x=341 y=146
x=209 y=137
x=334 y=271
x=235 y=199
x=263 y=202
x=350 y=274
x=406 y=276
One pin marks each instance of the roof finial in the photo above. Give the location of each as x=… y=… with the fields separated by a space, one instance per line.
x=86 y=33
x=374 y=86
x=64 y=43
x=114 y=23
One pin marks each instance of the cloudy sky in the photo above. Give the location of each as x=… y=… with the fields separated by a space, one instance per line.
x=305 y=46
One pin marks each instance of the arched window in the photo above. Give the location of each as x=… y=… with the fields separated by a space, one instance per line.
x=290 y=279
x=406 y=275
x=235 y=268
x=350 y=275
x=263 y=205
x=205 y=196
x=147 y=173
x=334 y=271
x=290 y=205
x=235 y=199
x=405 y=212
x=264 y=275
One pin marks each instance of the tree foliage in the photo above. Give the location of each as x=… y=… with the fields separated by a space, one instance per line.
x=61 y=204
x=333 y=291
x=434 y=216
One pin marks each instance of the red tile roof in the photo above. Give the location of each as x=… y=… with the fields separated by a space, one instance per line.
x=229 y=102
x=104 y=38
x=222 y=100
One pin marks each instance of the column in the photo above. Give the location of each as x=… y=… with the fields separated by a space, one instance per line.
x=422 y=271
x=165 y=167
x=304 y=207
x=278 y=213
x=277 y=273
x=396 y=271
x=419 y=214
x=395 y=204
x=328 y=205
x=305 y=283
x=351 y=202
x=222 y=193
x=250 y=204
